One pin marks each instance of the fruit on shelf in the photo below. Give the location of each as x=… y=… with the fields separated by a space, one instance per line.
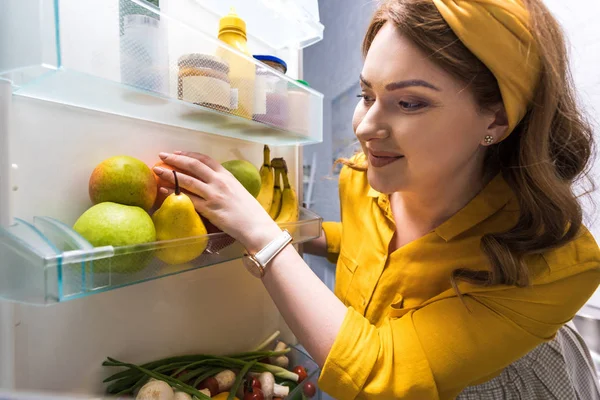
x=267 y=178
x=124 y=180
x=160 y=197
x=113 y=224
x=276 y=203
x=289 y=200
x=246 y=173
x=177 y=219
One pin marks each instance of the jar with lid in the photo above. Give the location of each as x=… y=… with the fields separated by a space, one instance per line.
x=271 y=97
x=204 y=80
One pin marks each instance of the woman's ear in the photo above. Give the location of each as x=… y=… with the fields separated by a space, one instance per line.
x=498 y=126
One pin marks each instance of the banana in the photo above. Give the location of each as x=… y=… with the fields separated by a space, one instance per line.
x=276 y=204
x=289 y=202
x=265 y=196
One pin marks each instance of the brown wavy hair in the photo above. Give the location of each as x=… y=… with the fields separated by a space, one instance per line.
x=542 y=158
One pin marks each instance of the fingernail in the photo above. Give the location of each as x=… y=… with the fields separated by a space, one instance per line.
x=178 y=152
x=164 y=190
x=158 y=170
x=163 y=155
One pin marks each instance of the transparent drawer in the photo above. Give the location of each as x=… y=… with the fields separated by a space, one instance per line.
x=126 y=379
x=47 y=262
x=126 y=57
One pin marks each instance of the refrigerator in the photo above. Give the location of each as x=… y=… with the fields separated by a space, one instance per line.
x=85 y=80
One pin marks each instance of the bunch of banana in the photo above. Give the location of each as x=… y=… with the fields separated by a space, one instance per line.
x=265 y=196
x=289 y=200
x=276 y=204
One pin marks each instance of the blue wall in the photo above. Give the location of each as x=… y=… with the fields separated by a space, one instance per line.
x=332 y=66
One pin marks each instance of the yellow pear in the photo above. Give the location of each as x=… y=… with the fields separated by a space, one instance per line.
x=177 y=219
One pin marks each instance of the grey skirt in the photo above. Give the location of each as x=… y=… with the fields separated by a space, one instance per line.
x=561 y=369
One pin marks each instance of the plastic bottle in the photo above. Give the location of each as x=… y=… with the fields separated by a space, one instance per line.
x=232 y=30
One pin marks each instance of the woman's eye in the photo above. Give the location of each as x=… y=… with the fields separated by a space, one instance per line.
x=366 y=99
x=412 y=106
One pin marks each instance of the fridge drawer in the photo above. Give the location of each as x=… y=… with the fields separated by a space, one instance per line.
x=46 y=262
x=126 y=57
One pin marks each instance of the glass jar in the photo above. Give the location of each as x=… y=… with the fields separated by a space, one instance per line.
x=271 y=97
x=204 y=80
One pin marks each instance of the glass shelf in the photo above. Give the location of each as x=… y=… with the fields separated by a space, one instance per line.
x=47 y=262
x=279 y=23
x=128 y=58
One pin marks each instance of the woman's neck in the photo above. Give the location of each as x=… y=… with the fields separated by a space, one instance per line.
x=423 y=209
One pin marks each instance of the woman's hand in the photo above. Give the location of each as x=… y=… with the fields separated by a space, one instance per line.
x=221 y=198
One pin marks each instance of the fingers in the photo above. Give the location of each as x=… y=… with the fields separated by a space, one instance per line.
x=186 y=182
x=190 y=164
x=203 y=158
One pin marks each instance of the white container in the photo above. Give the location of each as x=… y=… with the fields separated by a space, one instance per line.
x=143 y=54
x=298 y=101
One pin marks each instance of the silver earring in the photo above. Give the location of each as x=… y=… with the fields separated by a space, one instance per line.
x=489 y=139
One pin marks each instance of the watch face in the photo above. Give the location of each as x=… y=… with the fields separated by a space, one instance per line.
x=252 y=266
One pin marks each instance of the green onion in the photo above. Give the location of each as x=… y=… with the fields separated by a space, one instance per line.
x=239 y=378
x=157 y=375
x=207 y=374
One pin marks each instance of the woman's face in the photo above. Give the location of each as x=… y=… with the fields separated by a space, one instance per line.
x=418 y=126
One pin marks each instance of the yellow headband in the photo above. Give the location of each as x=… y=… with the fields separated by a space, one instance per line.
x=497 y=32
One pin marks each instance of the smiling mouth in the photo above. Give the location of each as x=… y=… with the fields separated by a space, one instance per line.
x=383 y=159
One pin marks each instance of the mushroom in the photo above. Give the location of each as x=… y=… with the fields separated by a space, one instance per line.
x=183 y=396
x=155 y=390
x=267 y=382
x=281 y=361
x=280 y=390
x=225 y=379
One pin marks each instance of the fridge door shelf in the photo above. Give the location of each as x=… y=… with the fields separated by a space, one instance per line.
x=128 y=58
x=47 y=262
x=278 y=23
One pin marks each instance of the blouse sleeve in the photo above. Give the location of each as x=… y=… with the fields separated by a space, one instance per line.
x=333 y=235
x=434 y=352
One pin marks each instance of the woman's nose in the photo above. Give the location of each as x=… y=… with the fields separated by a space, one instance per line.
x=372 y=126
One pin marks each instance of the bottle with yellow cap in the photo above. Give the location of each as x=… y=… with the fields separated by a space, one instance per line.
x=232 y=30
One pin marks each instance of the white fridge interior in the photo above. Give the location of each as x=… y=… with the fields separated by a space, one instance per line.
x=65 y=107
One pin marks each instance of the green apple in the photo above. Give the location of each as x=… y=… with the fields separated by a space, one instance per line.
x=246 y=173
x=112 y=224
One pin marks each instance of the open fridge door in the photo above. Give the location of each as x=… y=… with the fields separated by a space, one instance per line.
x=78 y=92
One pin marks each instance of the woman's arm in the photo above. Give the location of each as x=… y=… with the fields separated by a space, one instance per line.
x=317 y=247
x=311 y=310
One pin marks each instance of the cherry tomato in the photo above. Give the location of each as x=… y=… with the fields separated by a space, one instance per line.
x=301 y=372
x=253 y=393
x=309 y=389
x=255 y=383
x=211 y=384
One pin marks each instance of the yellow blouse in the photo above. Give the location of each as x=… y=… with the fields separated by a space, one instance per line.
x=406 y=334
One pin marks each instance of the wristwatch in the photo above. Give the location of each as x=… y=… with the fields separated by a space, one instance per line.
x=257 y=263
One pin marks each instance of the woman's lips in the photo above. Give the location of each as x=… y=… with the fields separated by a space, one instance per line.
x=382 y=159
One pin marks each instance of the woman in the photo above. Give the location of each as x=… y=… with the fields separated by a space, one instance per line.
x=461 y=254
